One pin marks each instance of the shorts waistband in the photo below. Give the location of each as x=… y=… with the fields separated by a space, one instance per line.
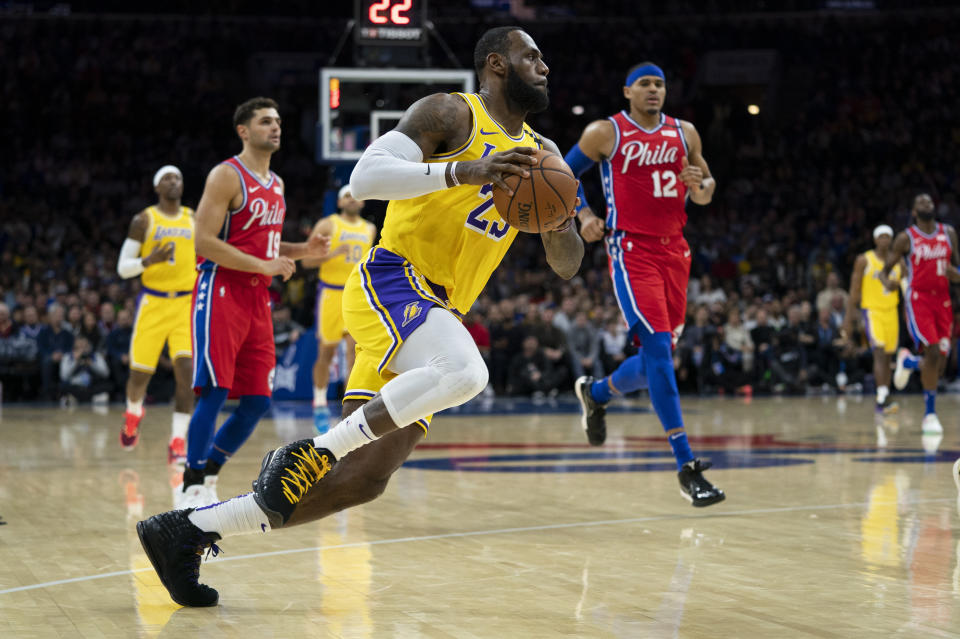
x=171 y=294
x=322 y=285
x=379 y=253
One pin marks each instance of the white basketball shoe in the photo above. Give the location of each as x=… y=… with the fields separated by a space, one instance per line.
x=931 y=425
x=901 y=374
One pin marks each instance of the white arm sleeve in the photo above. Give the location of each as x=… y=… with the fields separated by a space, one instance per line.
x=129 y=265
x=391 y=169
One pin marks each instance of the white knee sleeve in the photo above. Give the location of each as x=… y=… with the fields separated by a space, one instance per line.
x=438 y=366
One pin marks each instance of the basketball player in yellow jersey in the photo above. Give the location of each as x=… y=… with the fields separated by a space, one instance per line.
x=878 y=307
x=441 y=241
x=159 y=248
x=350 y=238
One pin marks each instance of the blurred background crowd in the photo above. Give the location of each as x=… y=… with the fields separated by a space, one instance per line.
x=848 y=130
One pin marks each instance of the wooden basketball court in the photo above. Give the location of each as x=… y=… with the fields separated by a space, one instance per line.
x=509 y=525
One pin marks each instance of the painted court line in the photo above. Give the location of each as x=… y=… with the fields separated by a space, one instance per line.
x=478 y=533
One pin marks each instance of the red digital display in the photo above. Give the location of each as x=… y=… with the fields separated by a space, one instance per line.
x=394 y=21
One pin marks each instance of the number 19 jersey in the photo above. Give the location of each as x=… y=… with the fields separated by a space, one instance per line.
x=256 y=226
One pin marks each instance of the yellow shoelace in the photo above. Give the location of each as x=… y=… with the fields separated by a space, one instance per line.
x=309 y=468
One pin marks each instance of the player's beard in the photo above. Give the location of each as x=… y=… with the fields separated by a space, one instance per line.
x=528 y=97
x=925 y=216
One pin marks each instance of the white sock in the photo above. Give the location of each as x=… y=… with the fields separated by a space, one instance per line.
x=181 y=422
x=134 y=408
x=350 y=434
x=238 y=516
x=882 y=392
x=319 y=396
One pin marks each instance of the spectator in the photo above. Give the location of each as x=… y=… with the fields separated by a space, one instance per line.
x=473 y=322
x=55 y=340
x=831 y=290
x=564 y=318
x=584 y=341
x=613 y=341
x=788 y=360
x=84 y=374
x=7 y=327
x=554 y=343
x=737 y=338
x=285 y=331
x=531 y=373
x=118 y=349
x=708 y=295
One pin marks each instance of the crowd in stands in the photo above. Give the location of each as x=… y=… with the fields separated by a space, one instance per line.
x=862 y=120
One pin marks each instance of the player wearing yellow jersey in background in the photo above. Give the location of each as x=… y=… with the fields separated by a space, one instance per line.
x=350 y=238
x=878 y=306
x=159 y=248
x=442 y=239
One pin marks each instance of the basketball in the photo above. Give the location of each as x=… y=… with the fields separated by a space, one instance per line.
x=540 y=200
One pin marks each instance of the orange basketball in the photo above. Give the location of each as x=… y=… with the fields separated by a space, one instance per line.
x=540 y=200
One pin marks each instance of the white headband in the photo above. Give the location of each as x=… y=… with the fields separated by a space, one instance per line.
x=343 y=190
x=883 y=229
x=163 y=170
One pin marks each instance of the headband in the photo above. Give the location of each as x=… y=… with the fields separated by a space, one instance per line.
x=647 y=69
x=343 y=190
x=883 y=229
x=163 y=170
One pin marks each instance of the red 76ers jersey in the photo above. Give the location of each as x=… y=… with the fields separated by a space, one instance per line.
x=929 y=260
x=641 y=178
x=256 y=226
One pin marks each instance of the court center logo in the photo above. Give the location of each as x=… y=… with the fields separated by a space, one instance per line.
x=648 y=454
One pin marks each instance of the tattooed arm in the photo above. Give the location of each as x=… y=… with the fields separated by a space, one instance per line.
x=564 y=247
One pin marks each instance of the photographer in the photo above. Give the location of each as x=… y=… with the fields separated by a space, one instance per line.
x=84 y=374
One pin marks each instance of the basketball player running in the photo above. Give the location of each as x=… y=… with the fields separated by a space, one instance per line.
x=651 y=162
x=239 y=225
x=159 y=248
x=930 y=249
x=878 y=307
x=350 y=238
x=440 y=242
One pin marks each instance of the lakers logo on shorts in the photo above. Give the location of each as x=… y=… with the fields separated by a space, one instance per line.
x=411 y=312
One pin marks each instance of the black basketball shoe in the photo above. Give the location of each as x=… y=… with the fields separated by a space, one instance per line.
x=694 y=486
x=593 y=414
x=286 y=474
x=175 y=547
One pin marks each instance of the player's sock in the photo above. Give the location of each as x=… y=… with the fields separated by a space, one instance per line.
x=911 y=362
x=664 y=394
x=629 y=376
x=202 y=424
x=238 y=427
x=350 y=434
x=929 y=401
x=193 y=476
x=882 y=393
x=181 y=422
x=134 y=408
x=319 y=397
x=238 y=516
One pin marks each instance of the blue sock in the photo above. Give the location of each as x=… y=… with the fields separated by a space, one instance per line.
x=911 y=362
x=629 y=376
x=202 y=424
x=930 y=399
x=238 y=427
x=658 y=358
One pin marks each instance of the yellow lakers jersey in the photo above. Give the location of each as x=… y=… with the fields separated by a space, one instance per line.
x=357 y=237
x=872 y=292
x=455 y=237
x=180 y=271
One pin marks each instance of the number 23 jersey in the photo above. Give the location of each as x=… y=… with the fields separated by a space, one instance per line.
x=256 y=226
x=456 y=237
